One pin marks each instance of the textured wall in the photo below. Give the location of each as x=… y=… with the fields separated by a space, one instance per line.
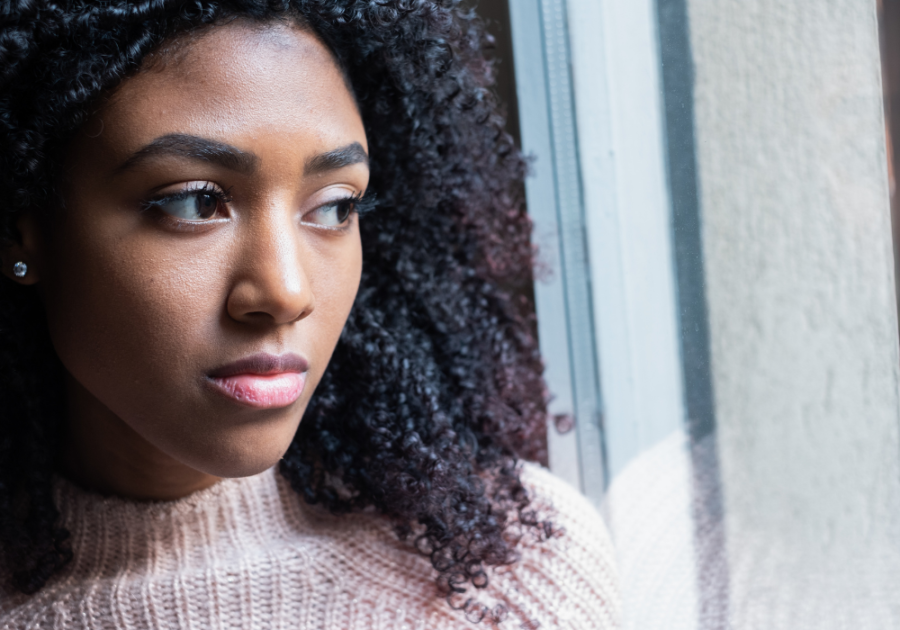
x=803 y=328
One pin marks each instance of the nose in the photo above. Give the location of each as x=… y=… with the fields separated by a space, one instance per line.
x=272 y=286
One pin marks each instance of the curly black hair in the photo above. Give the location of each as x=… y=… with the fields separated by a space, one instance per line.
x=434 y=391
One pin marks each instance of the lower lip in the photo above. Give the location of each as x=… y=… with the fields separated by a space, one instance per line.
x=260 y=391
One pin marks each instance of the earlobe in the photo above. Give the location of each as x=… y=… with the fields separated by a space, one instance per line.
x=20 y=259
x=17 y=268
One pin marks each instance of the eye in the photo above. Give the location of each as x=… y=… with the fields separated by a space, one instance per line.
x=198 y=204
x=195 y=206
x=334 y=213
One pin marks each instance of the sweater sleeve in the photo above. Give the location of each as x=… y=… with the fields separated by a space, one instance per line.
x=568 y=581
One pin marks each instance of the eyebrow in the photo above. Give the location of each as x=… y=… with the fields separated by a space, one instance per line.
x=232 y=158
x=338 y=158
x=194 y=148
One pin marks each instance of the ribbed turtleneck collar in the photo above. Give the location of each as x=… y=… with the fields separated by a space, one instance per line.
x=110 y=534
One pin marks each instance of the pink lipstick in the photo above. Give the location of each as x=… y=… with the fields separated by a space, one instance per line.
x=262 y=381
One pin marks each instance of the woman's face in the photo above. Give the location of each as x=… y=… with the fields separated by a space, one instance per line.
x=198 y=279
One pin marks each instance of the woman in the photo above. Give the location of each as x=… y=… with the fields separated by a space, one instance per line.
x=220 y=217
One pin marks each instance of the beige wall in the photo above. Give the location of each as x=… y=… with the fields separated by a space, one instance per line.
x=803 y=327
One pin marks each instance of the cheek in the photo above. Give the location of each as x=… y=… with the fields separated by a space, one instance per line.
x=127 y=317
x=338 y=278
x=334 y=279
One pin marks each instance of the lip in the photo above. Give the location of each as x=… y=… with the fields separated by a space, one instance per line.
x=262 y=381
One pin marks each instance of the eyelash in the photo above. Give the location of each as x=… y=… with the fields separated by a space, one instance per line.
x=221 y=196
x=364 y=204
x=361 y=204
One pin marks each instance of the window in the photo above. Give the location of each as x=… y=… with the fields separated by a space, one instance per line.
x=711 y=192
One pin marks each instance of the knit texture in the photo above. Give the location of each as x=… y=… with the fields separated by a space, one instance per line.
x=249 y=554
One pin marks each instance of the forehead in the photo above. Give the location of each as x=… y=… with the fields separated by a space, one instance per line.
x=241 y=83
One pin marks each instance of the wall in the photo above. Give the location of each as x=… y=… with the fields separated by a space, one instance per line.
x=803 y=331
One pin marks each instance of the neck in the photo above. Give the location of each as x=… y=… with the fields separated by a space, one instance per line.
x=101 y=452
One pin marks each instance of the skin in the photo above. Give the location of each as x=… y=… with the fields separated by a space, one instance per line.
x=143 y=306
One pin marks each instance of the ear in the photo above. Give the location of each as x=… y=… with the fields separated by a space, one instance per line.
x=25 y=251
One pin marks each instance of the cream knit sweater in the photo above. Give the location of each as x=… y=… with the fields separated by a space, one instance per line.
x=249 y=554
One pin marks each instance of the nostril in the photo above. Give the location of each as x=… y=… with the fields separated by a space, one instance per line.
x=265 y=315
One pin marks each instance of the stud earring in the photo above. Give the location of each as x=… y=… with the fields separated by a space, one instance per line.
x=20 y=269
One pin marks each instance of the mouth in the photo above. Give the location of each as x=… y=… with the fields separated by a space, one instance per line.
x=262 y=381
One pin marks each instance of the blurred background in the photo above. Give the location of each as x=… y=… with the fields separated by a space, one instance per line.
x=713 y=195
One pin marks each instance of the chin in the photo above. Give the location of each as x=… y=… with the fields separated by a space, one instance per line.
x=242 y=453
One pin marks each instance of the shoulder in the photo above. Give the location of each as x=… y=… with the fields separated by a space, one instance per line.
x=567 y=506
x=568 y=580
